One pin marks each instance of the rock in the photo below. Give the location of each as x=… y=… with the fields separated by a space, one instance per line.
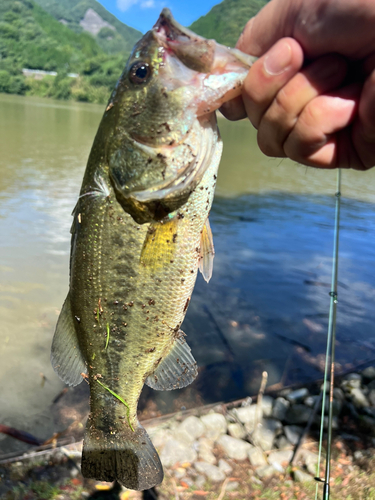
x=302 y=477
x=205 y=451
x=358 y=398
x=231 y=486
x=298 y=395
x=281 y=457
x=369 y=410
x=298 y=414
x=237 y=431
x=371 y=397
x=224 y=466
x=336 y=403
x=267 y=432
x=200 y=481
x=265 y=471
x=179 y=472
x=280 y=408
x=310 y=401
x=335 y=422
x=246 y=415
x=369 y=373
x=293 y=433
x=338 y=394
x=310 y=459
x=212 y=472
x=267 y=404
x=234 y=448
x=189 y=430
x=160 y=437
x=281 y=442
x=351 y=381
x=256 y=457
x=368 y=423
x=188 y=480
x=214 y=425
x=176 y=452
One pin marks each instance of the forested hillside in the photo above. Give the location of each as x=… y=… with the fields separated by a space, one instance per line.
x=226 y=20
x=32 y=38
x=112 y=35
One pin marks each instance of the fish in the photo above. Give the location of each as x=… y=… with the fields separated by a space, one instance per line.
x=140 y=233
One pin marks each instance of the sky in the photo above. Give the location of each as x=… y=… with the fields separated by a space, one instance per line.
x=142 y=14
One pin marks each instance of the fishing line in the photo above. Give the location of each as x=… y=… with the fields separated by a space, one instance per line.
x=330 y=354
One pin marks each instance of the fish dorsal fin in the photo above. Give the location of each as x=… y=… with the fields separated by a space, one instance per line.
x=178 y=369
x=66 y=357
x=207 y=252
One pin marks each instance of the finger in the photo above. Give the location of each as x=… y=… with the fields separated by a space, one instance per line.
x=234 y=109
x=321 y=76
x=312 y=141
x=268 y=75
x=257 y=38
x=364 y=128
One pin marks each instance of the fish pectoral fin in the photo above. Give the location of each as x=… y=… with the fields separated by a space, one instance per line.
x=207 y=252
x=178 y=369
x=66 y=357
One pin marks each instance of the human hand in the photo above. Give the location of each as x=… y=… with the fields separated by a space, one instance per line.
x=311 y=93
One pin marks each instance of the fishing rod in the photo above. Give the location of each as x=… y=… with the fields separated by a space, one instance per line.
x=330 y=354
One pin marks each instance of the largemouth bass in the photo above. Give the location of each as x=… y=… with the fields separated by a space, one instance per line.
x=140 y=232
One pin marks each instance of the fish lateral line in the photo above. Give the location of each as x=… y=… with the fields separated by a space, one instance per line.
x=120 y=399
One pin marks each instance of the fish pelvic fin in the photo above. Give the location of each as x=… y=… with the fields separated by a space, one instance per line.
x=66 y=357
x=178 y=369
x=126 y=456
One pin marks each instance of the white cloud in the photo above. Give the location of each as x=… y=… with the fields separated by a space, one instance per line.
x=148 y=4
x=124 y=5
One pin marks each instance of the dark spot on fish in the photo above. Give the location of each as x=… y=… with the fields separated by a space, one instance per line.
x=215 y=177
x=174 y=238
x=172 y=142
x=131 y=304
x=152 y=349
x=171 y=261
x=115 y=302
x=78 y=319
x=124 y=324
x=192 y=271
x=182 y=280
x=121 y=417
x=178 y=360
x=124 y=307
x=201 y=188
x=149 y=160
x=187 y=303
x=143 y=306
x=151 y=302
x=151 y=229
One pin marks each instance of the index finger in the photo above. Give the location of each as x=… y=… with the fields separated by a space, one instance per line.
x=255 y=39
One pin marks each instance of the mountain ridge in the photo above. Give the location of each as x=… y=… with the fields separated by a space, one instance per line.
x=226 y=20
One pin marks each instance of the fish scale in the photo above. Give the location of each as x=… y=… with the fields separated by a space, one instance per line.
x=140 y=232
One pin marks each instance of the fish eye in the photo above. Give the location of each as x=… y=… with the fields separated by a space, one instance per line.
x=139 y=72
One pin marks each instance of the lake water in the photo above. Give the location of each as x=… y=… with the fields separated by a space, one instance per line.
x=266 y=307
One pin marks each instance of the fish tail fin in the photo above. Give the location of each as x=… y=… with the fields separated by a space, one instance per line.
x=126 y=456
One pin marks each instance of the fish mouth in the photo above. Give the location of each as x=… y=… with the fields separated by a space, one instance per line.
x=198 y=53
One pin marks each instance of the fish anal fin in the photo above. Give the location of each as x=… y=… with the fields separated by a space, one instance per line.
x=66 y=357
x=178 y=369
x=207 y=252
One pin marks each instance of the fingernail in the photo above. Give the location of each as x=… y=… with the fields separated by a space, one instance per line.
x=279 y=58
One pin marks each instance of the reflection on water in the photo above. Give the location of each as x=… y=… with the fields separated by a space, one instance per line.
x=266 y=306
